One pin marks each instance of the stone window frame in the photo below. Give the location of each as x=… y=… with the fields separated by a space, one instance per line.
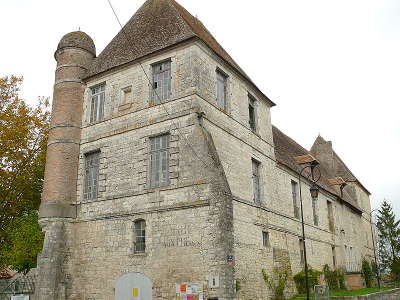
x=253 y=103
x=142 y=250
x=173 y=160
x=152 y=101
x=266 y=239
x=101 y=175
x=219 y=71
x=296 y=198
x=159 y=153
x=89 y=157
x=89 y=103
x=301 y=251
x=331 y=216
x=257 y=162
x=314 y=206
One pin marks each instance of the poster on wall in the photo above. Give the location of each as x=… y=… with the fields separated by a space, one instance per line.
x=189 y=291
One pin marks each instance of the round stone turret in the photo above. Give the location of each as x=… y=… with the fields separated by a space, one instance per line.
x=74 y=54
x=77 y=39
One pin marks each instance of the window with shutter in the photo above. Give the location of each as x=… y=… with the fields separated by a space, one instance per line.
x=97 y=103
x=91 y=176
x=221 y=90
x=159 y=161
x=161 y=89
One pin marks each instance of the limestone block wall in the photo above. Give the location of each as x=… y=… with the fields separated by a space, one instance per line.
x=206 y=213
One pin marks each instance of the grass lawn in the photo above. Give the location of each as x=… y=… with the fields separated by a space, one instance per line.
x=364 y=291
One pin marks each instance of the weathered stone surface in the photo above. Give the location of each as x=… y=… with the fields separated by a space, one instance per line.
x=204 y=223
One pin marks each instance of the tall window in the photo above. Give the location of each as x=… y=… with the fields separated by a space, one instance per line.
x=315 y=211
x=296 y=209
x=159 y=156
x=334 y=256
x=330 y=217
x=161 y=82
x=256 y=181
x=301 y=249
x=91 y=176
x=265 y=236
x=140 y=236
x=97 y=103
x=252 y=113
x=221 y=90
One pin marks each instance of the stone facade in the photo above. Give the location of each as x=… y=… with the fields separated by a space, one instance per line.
x=203 y=224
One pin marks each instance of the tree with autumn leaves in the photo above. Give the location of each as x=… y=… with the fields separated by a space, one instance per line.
x=23 y=139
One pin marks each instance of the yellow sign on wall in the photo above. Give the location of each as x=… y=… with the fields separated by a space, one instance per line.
x=135 y=293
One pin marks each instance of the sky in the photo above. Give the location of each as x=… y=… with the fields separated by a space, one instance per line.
x=332 y=67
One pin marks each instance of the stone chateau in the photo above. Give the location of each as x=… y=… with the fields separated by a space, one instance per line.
x=165 y=178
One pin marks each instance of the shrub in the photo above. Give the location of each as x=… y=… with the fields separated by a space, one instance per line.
x=300 y=279
x=334 y=278
x=342 y=281
x=331 y=278
x=277 y=282
x=366 y=272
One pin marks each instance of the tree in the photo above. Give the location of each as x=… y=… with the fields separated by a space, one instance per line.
x=388 y=236
x=25 y=240
x=23 y=140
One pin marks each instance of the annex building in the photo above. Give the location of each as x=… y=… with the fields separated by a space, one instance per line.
x=165 y=178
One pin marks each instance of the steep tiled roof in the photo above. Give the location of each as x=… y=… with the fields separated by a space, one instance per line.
x=285 y=151
x=157 y=25
x=341 y=169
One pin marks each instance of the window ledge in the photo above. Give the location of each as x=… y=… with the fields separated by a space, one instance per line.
x=124 y=106
x=137 y=254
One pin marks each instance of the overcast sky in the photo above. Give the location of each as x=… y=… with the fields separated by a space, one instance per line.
x=332 y=67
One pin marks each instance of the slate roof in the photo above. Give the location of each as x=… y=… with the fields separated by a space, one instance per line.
x=157 y=25
x=285 y=151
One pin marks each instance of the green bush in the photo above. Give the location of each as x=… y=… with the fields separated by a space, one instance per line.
x=277 y=282
x=334 y=278
x=300 y=279
x=366 y=273
x=342 y=281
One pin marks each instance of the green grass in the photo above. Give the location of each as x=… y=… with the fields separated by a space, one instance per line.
x=359 y=292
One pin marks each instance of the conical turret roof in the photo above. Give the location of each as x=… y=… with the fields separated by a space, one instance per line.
x=157 y=25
